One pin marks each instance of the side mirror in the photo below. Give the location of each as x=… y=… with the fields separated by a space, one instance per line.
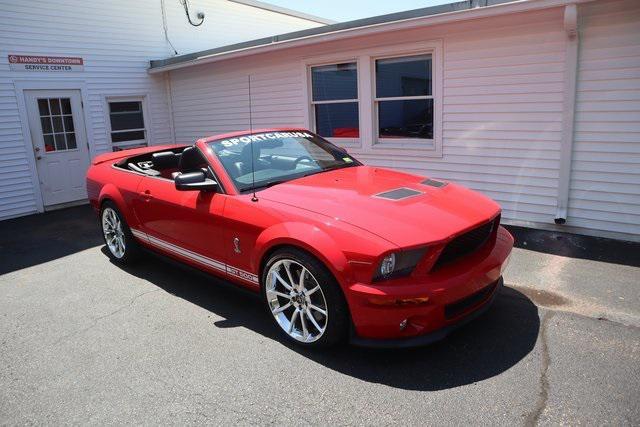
x=195 y=181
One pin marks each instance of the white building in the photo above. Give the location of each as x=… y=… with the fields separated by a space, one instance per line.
x=535 y=103
x=114 y=40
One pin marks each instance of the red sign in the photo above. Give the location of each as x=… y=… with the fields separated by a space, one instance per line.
x=45 y=63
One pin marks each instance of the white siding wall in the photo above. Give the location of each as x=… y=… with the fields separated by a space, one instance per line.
x=225 y=23
x=209 y=100
x=116 y=39
x=605 y=184
x=502 y=105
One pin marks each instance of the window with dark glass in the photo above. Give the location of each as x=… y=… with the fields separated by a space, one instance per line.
x=56 y=120
x=335 y=100
x=404 y=97
x=127 y=124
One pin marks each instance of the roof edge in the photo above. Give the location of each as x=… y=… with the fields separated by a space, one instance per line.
x=450 y=12
x=283 y=10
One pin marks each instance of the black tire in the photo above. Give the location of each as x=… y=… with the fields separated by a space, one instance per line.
x=337 y=321
x=131 y=250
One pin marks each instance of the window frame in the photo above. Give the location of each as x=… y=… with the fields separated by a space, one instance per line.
x=399 y=142
x=142 y=99
x=311 y=104
x=368 y=143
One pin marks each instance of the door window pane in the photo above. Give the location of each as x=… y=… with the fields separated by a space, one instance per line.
x=334 y=82
x=60 y=143
x=337 y=120
x=56 y=121
x=406 y=119
x=54 y=105
x=407 y=76
x=46 y=125
x=57 y=124
x=43 y=106
x=68 y=124
x=71 y=140
x=66 y=105
x=49 y=143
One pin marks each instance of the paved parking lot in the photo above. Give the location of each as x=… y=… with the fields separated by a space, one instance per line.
x=85 y=341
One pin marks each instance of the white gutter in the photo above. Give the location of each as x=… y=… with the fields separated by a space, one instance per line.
x=568 y=110
x=477 y=13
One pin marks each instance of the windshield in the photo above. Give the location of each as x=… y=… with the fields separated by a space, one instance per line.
x=276 y=157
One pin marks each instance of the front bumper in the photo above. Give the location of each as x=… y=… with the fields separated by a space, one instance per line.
x=431 y=337
x=419 y=310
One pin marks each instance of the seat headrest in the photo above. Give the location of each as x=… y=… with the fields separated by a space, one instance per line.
x=164 y=159
x=190 y=160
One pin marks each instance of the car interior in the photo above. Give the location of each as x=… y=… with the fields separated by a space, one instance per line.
x=166 y=164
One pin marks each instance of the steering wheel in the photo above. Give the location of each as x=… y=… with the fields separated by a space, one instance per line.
x=301 y=158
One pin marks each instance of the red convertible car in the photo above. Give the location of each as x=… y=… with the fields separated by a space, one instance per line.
x=338 y=250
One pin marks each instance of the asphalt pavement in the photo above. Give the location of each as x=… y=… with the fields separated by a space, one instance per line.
x=83 y=341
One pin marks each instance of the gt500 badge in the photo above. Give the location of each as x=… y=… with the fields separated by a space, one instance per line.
x=263 y=137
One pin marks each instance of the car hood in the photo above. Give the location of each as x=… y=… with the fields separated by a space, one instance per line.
x=353 y=195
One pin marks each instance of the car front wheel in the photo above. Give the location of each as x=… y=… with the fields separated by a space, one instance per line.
x=304 y=299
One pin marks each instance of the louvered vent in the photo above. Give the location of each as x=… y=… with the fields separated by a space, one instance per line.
x=433 y=183
x=398 y=194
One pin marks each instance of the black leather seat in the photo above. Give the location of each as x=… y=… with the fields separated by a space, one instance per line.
x=191 y=160
x=244 y=166
x=165 y=160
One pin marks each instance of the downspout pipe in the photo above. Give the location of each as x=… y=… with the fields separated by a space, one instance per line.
x=568 y=110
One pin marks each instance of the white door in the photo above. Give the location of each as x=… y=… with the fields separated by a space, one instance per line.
x=59 y=144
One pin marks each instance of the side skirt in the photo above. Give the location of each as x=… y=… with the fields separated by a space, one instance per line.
x=209 y=263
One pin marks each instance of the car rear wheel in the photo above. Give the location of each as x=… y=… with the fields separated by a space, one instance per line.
x=304 y=299
x=121 y=246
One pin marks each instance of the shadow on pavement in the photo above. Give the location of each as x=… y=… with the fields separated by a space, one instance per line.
x=36 y=239
x=491 y=344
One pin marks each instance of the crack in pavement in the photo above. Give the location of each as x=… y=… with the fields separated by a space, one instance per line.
x=543 y=396
x=97 y=319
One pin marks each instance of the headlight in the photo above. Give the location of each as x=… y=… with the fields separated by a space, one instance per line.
x=387 y=265
x=399 y=264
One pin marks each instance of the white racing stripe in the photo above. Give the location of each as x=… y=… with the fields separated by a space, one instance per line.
x=193 y=256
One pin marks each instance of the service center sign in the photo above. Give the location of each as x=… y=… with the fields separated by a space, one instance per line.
x=45 y=63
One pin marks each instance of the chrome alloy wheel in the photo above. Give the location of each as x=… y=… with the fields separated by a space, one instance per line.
x=113 y=233
x=296 y=300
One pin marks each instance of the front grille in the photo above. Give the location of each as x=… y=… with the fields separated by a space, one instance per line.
x=467 y=243
x=459 y=307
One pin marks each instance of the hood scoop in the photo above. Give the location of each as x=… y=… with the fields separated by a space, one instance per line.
x=398 y=194
x=433 y=183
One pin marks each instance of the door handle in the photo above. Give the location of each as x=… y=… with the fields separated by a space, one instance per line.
x=147 y=195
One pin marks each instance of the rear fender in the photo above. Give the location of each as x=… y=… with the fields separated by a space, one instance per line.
x=306 y=237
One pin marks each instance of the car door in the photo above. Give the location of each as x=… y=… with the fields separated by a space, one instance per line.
x=186 y=224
